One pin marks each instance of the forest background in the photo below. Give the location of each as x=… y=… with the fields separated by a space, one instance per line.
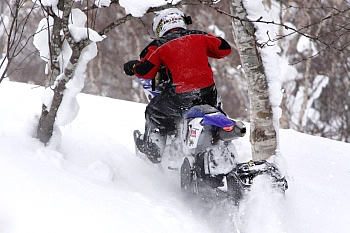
x=315 y=86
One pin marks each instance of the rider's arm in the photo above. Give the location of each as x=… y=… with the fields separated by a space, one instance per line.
x=148 y=67
x=217 y=47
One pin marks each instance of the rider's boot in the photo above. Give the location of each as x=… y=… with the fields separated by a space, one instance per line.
x=152 y=144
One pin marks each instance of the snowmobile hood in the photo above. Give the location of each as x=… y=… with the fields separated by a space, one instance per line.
x=217 y=119
x=199 y=111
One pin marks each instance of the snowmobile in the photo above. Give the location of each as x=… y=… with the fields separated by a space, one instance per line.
x=202 y=151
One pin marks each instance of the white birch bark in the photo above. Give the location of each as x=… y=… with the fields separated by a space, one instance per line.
x=263 y=135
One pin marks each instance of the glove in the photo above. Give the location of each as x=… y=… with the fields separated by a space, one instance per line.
x=129 y=67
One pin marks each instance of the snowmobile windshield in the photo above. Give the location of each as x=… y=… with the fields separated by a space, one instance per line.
x=199 y=111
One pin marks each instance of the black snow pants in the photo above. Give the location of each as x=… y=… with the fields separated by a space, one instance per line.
x=163 y=109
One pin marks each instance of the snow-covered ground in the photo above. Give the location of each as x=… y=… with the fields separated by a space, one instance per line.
x=89 y=179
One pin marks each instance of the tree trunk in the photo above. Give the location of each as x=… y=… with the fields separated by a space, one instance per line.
x=47 y=118
x=263 y=135
x=4 y=12
x=306 y=90
x=9 y=11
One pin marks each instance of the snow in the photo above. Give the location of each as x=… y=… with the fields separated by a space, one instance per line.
x=69 y=107
x=40 y=40
x=305 y=44
x=102 y=3
x=77 y=27
x=216 y=31
x=89 y=180
x=138 y=8
x=270 y=58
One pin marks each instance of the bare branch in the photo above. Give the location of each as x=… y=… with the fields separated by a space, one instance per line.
x=15 y=32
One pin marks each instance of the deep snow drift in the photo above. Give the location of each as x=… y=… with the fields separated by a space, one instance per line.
x=89 y=179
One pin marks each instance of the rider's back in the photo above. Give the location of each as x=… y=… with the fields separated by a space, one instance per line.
x=185 y=55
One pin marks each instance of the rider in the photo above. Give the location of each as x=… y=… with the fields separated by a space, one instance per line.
x=184 y=54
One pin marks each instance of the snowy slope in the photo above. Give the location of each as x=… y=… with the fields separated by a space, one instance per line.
x=89 y=179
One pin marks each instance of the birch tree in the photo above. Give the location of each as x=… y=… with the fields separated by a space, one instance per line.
x=263 y=135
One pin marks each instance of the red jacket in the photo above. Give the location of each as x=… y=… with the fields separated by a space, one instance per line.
x=185 y=54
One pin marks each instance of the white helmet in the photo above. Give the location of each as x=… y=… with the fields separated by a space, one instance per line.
x=168 y=19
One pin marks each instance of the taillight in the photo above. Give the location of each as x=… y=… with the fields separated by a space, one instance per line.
x=228 y=128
